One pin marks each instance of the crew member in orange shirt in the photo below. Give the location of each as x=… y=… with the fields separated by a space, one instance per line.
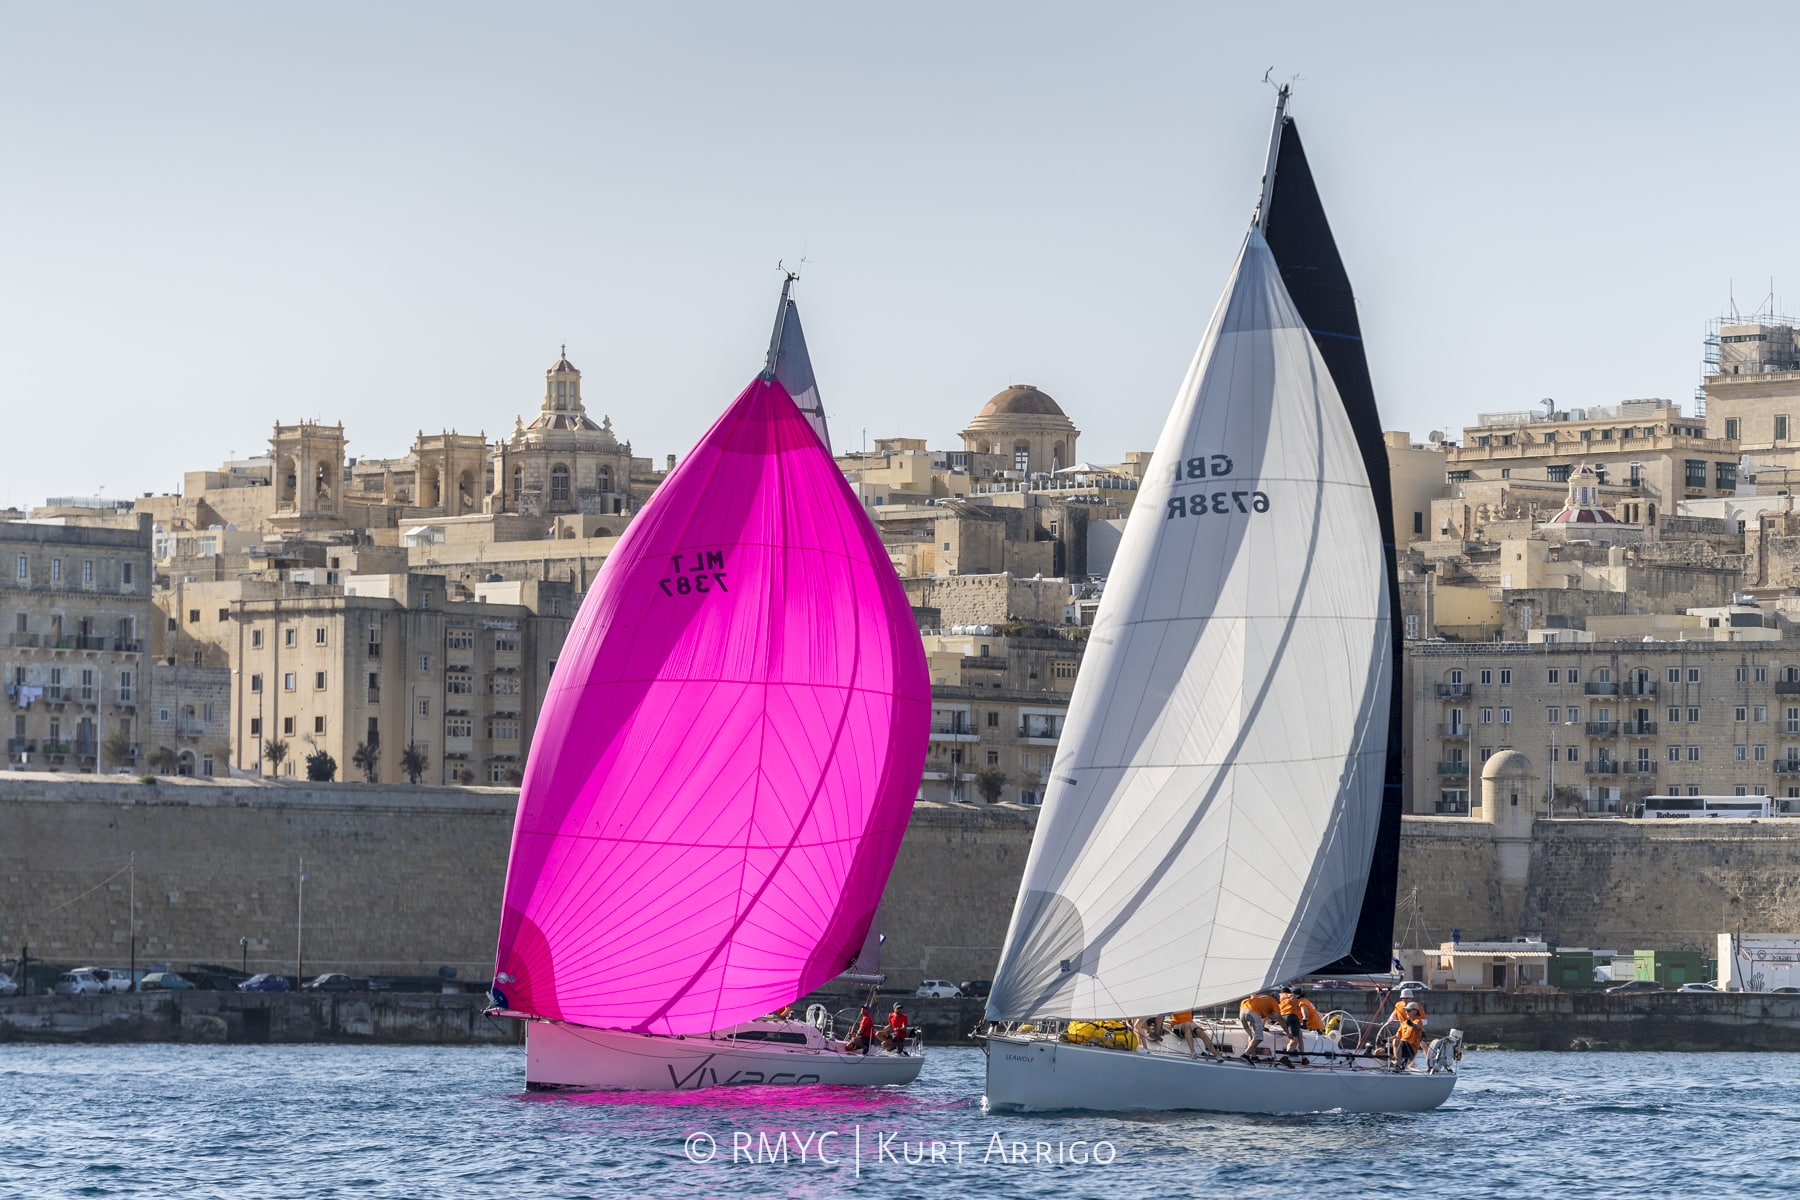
x=1289 y=1004
x=1253 y=1011
x=1407 y=1043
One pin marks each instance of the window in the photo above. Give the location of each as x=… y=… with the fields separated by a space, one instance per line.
x=256 y=683
x=1674 y=715
x=993 y=720
x=1725 y=475
x=1741 y=713
x=207 y=712
x=287 y=726
x=1693 y=754
x=1418 y=522
x=1761 y=714
x=559 y=484
x=1693 y=790
x=503 y=730
x=1693 y=714
x=24 y=567
x=1674 y=674
x=287 y=682
x=1674 y=753
x=87 y=684
x=993 y=758
x=1575 y=715
x=459 y=683
x=318 y=681
x=1505 y=676
x=87 y=570
x=424 y=706
x=1555 y=676
x=1693 y=674
x=506 y=642
x=1487 y=676
x=256 y=639
x=255 y=726
x=1731 y=428
x=1572 y=675
x=125 y=687
x=206 y=760
x=55 y=569
x=318 y=724
x=424 y=664
x=193 y=616
x=290 y=637
x=1487 y=716
x=1743 y=674
x=319 y=636
x=1022 y=459
x=1456 y=677
x=1506 y=716
x=1793 y=720
x=459 y=639
x=1695 y=476
x=459 y=727
x=1555 y=714
x=1740 y=753
x=1781 y=428
x=1062 y=670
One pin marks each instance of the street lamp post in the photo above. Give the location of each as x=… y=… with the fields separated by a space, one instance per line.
x=244 y=947
x=300 y=928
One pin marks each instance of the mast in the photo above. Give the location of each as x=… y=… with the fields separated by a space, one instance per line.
x=1268 y=180
x=781 y=313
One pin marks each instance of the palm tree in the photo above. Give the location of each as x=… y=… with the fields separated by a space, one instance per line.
x=320 y=767
x=367 y=759
x=414 y=761
x=275 y=752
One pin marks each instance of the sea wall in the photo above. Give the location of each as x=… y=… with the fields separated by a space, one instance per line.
x=405 y=880
x=255 y=1017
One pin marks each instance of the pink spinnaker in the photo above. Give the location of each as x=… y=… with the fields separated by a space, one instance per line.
x=729 y=750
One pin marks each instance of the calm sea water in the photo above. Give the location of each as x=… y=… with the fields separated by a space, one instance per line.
x=324 y=1121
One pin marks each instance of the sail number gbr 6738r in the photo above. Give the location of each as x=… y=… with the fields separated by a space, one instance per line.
x=696 y=574
x=1221 y=503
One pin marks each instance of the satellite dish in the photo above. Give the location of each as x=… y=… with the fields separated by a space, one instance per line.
x=1435 y=437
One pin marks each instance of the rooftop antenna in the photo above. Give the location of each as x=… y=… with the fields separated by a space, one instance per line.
x=1259 y=220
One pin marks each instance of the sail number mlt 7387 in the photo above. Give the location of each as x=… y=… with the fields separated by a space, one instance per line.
x=1223 y=503
x=703 y=572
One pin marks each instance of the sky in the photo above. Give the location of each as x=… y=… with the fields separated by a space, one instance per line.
x=214 y=217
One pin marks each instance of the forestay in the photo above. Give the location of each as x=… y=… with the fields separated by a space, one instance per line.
x=1213 y=806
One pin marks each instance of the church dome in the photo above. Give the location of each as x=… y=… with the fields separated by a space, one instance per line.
x=1022 y=399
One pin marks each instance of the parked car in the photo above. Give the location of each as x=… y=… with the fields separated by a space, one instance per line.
x=1697 y=987
x=1411 y=988
x=164 y=981
x=1638 y=985
x=942 y=989
x=978 y=988
x=264 y=983
x=78 y=983
x=112 y=979
x=337 y=983
x=7 y=986
x=1780 y=990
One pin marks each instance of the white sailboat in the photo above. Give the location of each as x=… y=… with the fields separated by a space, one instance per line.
x=1223 y=810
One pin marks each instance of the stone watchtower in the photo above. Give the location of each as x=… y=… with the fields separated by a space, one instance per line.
x=1025 y=427
x=1510 y=804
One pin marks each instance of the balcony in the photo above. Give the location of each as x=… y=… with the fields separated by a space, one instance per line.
x=1603 y=728
x=953 y=731
x=1787 y=687
x=88 y=642
x=1451 y=808
x=56 y=694
x=1787 y=766
x=1638 y=728
x=1600 y=689
x=1642 y=766
x=20 y=745
x=22 y=639
x=1456 y=732
x=189 y=729
x=1638 y=687
x=86 y=747
x=1040 y=735
x=1453 y=768
x=1604 y=766
x=57 y=748
x=1455 y=691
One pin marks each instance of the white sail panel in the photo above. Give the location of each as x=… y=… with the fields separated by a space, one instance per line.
x=1208 y=825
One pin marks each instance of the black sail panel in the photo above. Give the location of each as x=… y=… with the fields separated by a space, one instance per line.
x=1300 y=238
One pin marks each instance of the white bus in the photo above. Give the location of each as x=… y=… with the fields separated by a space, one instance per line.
x=1707 y=806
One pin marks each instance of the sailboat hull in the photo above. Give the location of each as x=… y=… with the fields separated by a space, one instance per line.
x=563 y=1057
x=1038 y=1074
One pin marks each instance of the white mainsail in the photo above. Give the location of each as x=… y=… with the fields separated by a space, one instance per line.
x=1213 y=806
